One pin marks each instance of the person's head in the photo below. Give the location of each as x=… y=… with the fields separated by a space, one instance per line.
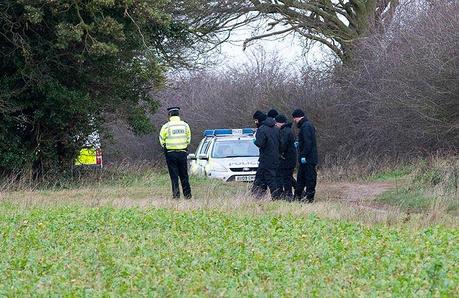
x=259 y=117
x=173 y=111
x=280 y=120
x=297 y=115
x=272 y=113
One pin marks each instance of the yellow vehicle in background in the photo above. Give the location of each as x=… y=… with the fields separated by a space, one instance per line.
x=89 y=157
x=91 y=154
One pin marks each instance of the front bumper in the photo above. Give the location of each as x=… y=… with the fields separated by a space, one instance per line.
x=232 y=176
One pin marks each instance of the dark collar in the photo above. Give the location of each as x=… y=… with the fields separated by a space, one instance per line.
x=302 y=121
x=286 y=125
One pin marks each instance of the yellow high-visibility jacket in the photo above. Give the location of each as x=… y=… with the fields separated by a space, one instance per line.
x=87 y=156
x=175 y=134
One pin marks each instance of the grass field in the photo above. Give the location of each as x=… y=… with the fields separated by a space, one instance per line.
x=125 y=236
x=103 y=251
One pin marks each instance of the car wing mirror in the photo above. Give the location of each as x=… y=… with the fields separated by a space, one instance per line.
x=191 y=157
x=203 y=157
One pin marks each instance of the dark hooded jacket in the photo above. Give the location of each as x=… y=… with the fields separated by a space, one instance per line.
x=307 y=145
x=287 y=147
x=267 y=139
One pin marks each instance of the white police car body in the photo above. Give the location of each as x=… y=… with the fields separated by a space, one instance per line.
x=226 y=154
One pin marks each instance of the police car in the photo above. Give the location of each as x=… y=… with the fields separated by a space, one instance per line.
x=226 y=154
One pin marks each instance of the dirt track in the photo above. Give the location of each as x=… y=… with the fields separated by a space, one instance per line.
x=360 y=194
x=354 y=192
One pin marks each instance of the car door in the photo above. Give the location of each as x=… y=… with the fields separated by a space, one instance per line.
x=194 y=167
x=202 y=156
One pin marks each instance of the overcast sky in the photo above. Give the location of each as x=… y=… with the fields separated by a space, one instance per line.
x=289 y=50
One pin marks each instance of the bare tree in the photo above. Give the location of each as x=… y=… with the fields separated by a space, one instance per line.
x=335 y=24
x=402 y=95
x=398 y=99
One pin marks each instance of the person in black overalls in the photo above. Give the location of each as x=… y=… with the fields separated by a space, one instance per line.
x=287 y=157
x=267 y=140
x=308 y=158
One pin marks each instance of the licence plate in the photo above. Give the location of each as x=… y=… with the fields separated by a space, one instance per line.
x=245 y=178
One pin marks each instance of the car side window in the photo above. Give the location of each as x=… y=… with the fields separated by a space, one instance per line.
x=200 y=147
x=205 y=146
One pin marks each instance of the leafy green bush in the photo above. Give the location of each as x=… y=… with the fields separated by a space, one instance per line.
x=66 y=65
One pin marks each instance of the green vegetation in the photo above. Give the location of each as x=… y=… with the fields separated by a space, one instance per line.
x=67 y=66
x=429 y=184
x=119 y=233
x=406 y=198
x=392 y=174
x=70 y=68
x=105 y=251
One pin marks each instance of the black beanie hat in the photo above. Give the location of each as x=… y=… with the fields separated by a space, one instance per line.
x=260 y=116
x=298 y=113
x=281 y=119
x=272 y=113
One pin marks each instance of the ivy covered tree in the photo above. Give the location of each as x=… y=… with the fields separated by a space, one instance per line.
x=65 y=65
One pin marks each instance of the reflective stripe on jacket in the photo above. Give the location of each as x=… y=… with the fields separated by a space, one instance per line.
x=175 y=134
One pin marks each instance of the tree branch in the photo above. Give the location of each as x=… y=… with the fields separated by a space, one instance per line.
x=248 y=40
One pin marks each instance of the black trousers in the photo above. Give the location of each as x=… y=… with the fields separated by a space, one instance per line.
x=264 y=179
x=177 y=164
x=307 y=178
x=286 y=181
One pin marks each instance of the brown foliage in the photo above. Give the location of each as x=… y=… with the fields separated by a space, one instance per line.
x=397 y=101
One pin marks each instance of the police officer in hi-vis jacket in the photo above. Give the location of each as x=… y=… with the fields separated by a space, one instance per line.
x=175 y=137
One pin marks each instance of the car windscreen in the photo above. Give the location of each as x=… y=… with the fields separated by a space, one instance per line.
x=234 y=148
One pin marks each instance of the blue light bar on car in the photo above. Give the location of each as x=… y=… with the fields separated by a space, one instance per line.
x=248 y=131
x=228 y=132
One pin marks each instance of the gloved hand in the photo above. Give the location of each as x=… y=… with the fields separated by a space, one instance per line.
x=296 y=144
x=303 y=160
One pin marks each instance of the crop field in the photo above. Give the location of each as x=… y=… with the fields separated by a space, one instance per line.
x=126 y=237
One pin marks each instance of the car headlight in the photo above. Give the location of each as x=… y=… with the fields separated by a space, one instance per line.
x=216 y=167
